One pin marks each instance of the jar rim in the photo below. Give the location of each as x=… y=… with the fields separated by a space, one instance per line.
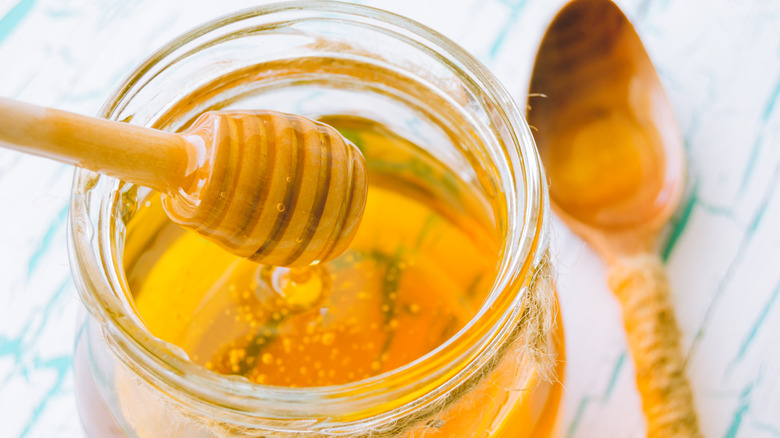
x=526 y=228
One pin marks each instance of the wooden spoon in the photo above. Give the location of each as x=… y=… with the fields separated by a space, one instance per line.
x=275 y=188
x=614 y=156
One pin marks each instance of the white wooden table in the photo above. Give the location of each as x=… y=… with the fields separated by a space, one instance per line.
x=720 y=63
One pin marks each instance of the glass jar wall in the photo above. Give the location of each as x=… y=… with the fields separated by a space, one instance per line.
x=469 y=159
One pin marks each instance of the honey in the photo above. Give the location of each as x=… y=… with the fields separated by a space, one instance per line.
x=418 y=270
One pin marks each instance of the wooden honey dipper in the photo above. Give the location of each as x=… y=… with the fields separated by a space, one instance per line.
x=276 y=188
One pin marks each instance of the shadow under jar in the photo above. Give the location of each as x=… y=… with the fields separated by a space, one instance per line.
x=438 y=320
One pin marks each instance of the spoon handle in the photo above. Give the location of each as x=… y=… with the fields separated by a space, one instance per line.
x=642 y=287
x=140 y=155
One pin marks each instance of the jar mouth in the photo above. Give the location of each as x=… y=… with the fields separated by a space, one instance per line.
x=520 y=187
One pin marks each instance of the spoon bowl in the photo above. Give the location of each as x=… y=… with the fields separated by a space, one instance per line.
x=606 y=132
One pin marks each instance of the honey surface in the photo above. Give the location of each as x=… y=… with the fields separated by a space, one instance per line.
x=417 y=271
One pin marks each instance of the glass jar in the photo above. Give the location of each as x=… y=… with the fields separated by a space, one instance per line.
x=316 y=59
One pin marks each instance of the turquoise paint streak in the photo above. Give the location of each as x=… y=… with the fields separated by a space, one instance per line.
x=61 y=365
x=18 y=348
x=739 y=414
x=679 y=223
x=751 y=335
x=11 y=347
x=750 y=232
x=515 y=8
x=54 y=228
x=12 y=20
x=30 y=334
x=744 y=405
x=769 y=108
x=587 y=400
x=767 y=428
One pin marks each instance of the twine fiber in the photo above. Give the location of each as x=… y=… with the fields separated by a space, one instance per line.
x=642 y=287
x=149 y=413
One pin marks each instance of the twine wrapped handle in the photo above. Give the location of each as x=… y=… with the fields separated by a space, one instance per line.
x=642 y=287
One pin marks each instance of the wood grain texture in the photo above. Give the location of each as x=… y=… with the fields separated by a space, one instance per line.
x=276 y=188
x=719 y=64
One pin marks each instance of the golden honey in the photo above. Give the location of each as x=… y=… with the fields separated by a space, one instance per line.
x=417 y=271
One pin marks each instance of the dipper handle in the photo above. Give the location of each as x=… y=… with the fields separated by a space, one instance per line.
x=140 y=155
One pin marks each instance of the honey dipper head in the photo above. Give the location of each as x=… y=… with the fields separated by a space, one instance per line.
x=276 y=188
